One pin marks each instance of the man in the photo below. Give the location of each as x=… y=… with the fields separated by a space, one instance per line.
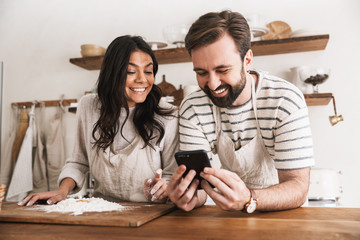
x=256 y=123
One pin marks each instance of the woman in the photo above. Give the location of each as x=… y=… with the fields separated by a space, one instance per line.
x=125 y=134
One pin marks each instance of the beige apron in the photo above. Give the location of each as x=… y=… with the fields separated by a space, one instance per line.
x=122 y=175
x=55 y=148
x=40 y=161
x=252 y=162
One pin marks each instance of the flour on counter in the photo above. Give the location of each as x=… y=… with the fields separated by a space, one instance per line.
x=79 y=206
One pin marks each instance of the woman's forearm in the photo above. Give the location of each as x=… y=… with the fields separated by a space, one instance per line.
x=67 y=185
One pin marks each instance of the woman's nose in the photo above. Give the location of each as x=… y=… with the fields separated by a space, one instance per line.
x=140 y=77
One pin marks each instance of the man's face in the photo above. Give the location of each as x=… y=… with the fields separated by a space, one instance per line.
x=220 y=71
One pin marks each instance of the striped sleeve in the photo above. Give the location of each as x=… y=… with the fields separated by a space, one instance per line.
x=290 y=144
x=293 y=142
x=193 y=133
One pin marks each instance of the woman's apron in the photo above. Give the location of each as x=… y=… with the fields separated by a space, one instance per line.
x=121 y=176
x=252 y=162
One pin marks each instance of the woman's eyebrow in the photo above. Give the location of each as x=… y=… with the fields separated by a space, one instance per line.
x=135 y=65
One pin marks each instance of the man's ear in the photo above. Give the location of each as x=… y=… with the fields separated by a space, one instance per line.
x=248 y=60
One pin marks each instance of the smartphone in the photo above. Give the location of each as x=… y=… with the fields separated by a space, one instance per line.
x=196 y=160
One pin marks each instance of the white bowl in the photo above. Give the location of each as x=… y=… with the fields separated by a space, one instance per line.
x=175 y=34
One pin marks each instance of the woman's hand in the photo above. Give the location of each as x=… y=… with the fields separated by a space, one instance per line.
x=67 y=184
x=50 y=197
x=155 y=189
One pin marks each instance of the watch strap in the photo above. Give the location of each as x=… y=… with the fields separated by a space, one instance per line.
x=252 y=194
x=252 y=200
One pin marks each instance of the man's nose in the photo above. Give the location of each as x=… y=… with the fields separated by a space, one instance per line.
x=213 y=81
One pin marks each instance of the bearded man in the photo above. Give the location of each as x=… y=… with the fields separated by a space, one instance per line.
x=256 y=123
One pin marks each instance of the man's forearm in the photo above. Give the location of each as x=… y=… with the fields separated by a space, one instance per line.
x=290 y=193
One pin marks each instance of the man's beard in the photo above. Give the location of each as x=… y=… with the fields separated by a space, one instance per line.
x=233 y=92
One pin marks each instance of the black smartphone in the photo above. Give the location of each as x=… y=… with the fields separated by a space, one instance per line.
x=196 y=160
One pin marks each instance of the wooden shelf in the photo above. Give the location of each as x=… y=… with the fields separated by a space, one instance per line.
x=317 y=99
x=89 y=63
x=47 y=103
x=290 y=45
x=311 y=100
x=260 y=48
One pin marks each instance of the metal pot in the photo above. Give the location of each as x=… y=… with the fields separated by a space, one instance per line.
x=324 y=184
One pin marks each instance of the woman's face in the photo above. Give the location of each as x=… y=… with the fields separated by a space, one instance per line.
x=139 y=79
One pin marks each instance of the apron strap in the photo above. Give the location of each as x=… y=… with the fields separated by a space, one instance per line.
x=253 y=100
x=217 y=119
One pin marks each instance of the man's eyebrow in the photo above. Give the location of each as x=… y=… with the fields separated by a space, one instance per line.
x=198 y=69
x=218 y=67
x=223 y=66
x=135 y=65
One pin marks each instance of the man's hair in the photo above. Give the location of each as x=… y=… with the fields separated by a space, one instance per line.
x=211 y=26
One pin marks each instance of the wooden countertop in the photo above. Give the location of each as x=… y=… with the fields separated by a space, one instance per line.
x=209 y=222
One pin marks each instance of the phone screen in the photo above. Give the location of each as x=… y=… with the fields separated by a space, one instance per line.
x=196 y=160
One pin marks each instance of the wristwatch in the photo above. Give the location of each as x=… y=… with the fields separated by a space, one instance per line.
x=250 y=206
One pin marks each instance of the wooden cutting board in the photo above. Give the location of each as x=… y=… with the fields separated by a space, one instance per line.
x=135 y=215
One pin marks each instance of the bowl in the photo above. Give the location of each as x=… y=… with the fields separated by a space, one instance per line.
x=92 y=50
x=175 y=34
x=314 y=76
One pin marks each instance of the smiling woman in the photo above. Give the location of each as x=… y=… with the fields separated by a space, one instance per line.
x=140 y=78
x=126 y=136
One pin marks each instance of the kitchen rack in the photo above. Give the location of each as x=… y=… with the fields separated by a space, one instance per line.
x=48 y=103
x=315 y=99
x=259 y=48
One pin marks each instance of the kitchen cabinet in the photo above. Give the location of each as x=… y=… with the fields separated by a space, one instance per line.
x=260 y=48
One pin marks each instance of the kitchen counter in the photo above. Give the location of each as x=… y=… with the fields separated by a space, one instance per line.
x=209 y=222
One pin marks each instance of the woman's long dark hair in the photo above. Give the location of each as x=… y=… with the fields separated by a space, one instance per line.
x=111 y=93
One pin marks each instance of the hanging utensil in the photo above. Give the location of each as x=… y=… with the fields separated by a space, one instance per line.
x=20 y=134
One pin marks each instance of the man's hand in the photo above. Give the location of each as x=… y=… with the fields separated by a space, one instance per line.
x=231 y=193
x=183 y=191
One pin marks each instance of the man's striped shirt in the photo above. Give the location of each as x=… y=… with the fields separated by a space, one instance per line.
x=282 y=114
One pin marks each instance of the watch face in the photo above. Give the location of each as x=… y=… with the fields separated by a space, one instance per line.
x=251 y=208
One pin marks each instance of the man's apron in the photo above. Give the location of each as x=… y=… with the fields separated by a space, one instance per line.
x=252 y=162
